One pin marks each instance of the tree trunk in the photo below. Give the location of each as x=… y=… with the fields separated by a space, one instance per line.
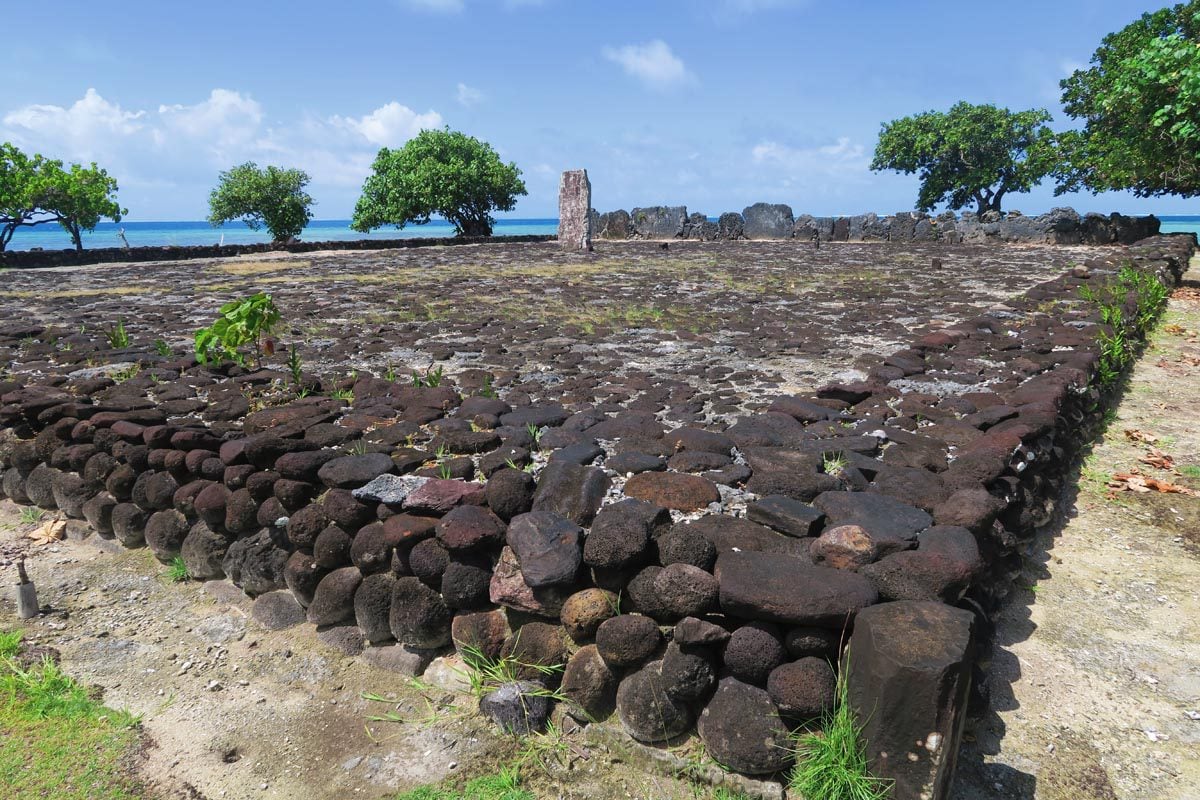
x=76 y=236
x=475 y=227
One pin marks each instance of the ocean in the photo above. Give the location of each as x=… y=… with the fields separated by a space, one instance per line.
x=159 y=234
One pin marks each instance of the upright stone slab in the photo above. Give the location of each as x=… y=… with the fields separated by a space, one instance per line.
x=910 y=672
x=575 y=211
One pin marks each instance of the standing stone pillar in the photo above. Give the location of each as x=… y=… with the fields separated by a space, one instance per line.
x=575 y=211
x=910 y=671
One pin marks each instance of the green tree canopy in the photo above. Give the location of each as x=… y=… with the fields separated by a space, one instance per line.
x=35 y=190
x=442 y=172
x=1140 y=102
x=969 y=154
x=273 y=198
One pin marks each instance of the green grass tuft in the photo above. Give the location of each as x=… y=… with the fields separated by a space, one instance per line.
x=505 y=785
x=177 y=570
x=56 y=741
x=831 y=764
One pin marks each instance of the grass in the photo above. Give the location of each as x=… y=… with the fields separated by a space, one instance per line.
x=1190 y=471
x=831 y=764
x=504 y=785
x=177 y=570
x=56 y=741
x=31 y=515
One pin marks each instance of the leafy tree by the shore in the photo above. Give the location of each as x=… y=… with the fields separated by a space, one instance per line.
x=1140 y=101
x=273 y=198
x=443 y=173
x=971 y=153
x=35 y=190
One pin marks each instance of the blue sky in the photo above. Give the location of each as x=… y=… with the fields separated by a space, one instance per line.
x=714 y=104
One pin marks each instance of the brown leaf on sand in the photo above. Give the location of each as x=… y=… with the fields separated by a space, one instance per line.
x=1185 y=293
x=1135 y=481
x=1175 y=330
x=1158 y=459
x=52 y=531
x=1134 y=435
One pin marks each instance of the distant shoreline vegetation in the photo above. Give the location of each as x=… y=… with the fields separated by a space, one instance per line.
x=197 y=232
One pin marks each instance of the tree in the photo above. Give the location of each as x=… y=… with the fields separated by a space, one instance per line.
x=76 y=198
x=970 y=153
x=446 y=173
x=16 y=180
x=271 y=197
x=1140 y=102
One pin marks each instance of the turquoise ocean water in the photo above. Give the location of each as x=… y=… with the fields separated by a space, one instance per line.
x=158 y=234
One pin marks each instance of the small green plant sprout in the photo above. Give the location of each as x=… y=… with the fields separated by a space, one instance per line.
x=430 y=380
x=441 y=452
x=486 y=674
x=834 y=463
x=504 y=785
x=240 y=322
x=487 y=390
x=177 y=570
x=342 y=394
x=31 y=515
x=390 y=375
x=117 y=336
x=128 y=373
x=294 y=366
x=534 y=432
x=162 y=348
x=831 y=763
x=444 y=471
x=1190 y=471
x=359 y=447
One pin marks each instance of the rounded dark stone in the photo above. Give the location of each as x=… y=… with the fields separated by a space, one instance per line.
x=647 y=712
x=302 y=573
x=203 y=552
x=428 y=560
x=536 y=644
x=482 y=631
x=332 y=548
x=465 y=584
x=753 y=651
x=294 y=495
x=99 y=467
x=210 y=504
x=270 y=512
x=333 y=601
x=39 y=486
x=261 y=484
x=688 y=673
x=419 y=617
x=120 y=482
x=165 y=532
x=129 y=524
x=589 y=685
x=70 y=493
x=628 y=639
x=305 y=525
x=684 y=544
x=235 y=478
x=371 y=550
x=373 y=607
x=642 y=596
x=686 y=591
x=620 y=534
x=98 y=513
x=583 y=612
x=741 y=729
x=803 y=689
x=345 y=511
x=256 y=563
x=470 y=527
x=803 y=641
x=241 y=513
x=351 y=472
x=509 y=492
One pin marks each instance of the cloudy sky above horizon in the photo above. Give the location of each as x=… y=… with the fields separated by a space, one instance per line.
x=714 y=104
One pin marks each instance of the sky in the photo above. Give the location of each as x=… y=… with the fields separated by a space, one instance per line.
x=712 y=104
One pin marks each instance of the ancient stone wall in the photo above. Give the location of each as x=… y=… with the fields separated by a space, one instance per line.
x=904 y=500
x=28 y=259
x=776 y=221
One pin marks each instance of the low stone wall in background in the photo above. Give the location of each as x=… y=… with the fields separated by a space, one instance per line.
x=776 y=221
x=30 y=259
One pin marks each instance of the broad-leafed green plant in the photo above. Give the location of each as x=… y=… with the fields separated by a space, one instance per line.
x=240 y=322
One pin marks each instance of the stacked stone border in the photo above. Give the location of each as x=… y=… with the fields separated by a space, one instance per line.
x=891 y=512
x=776 y=221
x=33 y=259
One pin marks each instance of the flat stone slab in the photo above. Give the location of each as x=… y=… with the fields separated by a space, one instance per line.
x=782 y=588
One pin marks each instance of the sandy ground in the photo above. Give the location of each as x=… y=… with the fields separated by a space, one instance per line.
x=1097 y=668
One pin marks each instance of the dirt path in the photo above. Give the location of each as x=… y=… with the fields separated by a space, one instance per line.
x=1097 y=666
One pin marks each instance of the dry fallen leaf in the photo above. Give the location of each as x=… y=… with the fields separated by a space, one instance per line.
x=52 y=531
x=1134 y=435
x=1135 y=481
x=1175 y=330
x=1158 y=459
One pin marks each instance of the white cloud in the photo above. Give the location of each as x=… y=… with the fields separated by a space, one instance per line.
x=82 y=129
x=436 y=6
x=828 y=168
x=468 y=96
x=225 y=121
x=652 y=63
x=390 y=125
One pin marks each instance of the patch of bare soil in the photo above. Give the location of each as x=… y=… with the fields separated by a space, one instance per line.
x=1096 y=675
